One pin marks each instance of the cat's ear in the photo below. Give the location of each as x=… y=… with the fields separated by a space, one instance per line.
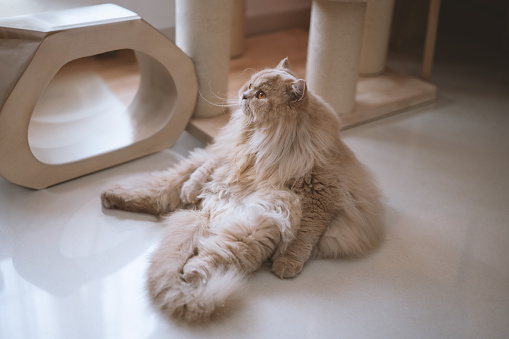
x=284 y=65
x=298 y=91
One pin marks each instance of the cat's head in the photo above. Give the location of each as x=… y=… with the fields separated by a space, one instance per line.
x=273 y=94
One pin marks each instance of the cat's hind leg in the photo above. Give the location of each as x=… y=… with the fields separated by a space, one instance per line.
x=155 y=193
x=244 y=245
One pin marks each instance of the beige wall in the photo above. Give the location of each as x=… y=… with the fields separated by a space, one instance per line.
x=161 y=13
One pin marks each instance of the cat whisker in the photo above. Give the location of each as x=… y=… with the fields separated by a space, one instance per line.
x=253 y=71
x=228 y=102
x=221 y=97
x=225 y=103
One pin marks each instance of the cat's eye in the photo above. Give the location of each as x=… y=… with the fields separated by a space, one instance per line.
x=250 y=85
x=261 y=95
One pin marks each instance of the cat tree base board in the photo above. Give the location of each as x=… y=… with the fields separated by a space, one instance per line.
x=377 y=96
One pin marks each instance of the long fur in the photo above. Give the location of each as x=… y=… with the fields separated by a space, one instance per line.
x=277 y=184
x=177 y=292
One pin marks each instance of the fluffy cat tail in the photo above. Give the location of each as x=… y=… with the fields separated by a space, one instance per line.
x=172 y=292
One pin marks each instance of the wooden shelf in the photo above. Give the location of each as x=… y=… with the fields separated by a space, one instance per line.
x=377 y=96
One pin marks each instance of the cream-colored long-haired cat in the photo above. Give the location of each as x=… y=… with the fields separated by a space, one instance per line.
x=277 y=184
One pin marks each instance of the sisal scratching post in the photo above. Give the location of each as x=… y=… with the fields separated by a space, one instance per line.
x=375 y=42
x=335 y=39
x=237 y=28
x=203 y=33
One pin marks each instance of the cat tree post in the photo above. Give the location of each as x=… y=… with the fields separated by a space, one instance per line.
x=237 y=28
x=203 y=33
x=335 y=39
x=375 y=41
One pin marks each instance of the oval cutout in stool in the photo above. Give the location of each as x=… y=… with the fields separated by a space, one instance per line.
x=83 y=112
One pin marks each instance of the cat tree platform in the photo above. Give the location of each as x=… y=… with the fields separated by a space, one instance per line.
x=376 y=97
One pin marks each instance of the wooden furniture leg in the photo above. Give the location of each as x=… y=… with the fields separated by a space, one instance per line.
x=431 y=34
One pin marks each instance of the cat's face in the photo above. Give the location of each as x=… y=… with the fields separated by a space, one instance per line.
x=272 y=94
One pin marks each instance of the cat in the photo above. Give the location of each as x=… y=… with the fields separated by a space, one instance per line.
x=276 y=185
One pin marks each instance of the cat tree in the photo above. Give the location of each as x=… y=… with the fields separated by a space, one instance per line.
x=345 y=63
x=34 y=47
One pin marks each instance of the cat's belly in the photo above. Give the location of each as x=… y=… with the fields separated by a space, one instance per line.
x=226 y=210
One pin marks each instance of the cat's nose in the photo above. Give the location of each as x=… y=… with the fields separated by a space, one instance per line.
x=244 y=96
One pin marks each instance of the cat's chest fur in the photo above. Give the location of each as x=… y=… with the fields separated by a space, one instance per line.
x=236 y=182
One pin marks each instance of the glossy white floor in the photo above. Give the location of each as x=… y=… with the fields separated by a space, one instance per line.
x=71 y=270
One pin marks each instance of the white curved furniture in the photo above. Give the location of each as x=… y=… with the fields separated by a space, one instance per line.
x=34 y=47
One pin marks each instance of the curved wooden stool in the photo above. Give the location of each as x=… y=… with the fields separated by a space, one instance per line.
x=34 y=47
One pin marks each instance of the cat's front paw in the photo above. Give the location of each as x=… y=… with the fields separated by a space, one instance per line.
x=189 y=192
x=285 y=267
